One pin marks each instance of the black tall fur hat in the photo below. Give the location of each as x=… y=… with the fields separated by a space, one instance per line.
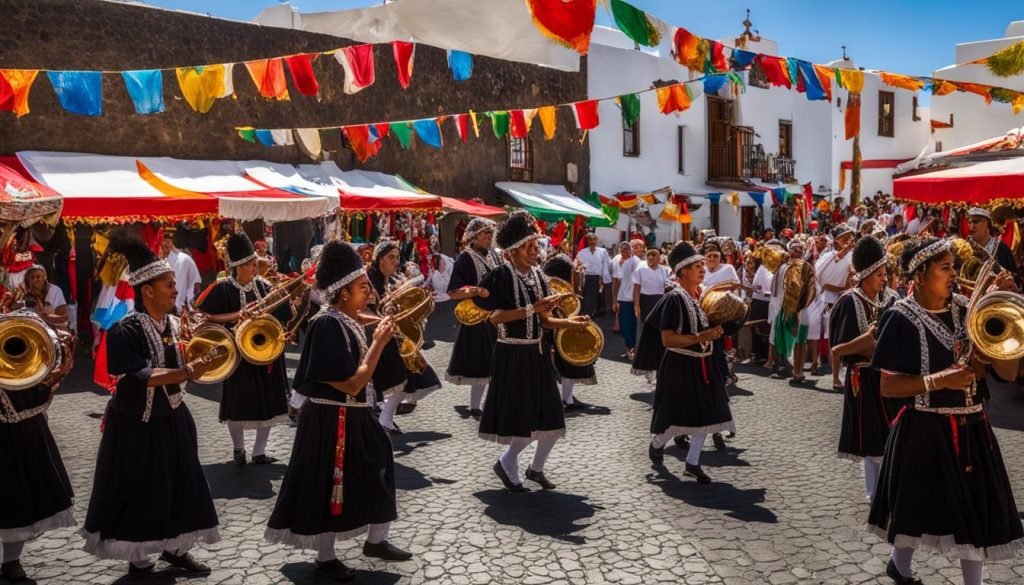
x=339 y=265
x=143 y=264
x=516 y=231
x=240 y=249
x=680 y=253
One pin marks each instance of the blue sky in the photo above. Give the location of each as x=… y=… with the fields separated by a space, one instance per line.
x=903 y=36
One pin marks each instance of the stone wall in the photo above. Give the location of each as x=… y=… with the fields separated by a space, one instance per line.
x=93 y=34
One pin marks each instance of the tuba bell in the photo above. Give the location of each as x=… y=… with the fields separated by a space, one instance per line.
x=577 y=346
x=468 y=313
x=994 y=320
x=409 y=306
x=32 y=352
x=260 y=337
x=201 y=338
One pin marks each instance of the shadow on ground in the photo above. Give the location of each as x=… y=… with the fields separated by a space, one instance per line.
x=541 y=512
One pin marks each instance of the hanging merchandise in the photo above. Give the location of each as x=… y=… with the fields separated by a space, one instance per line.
x=146 y=88
x=429 y=132
x=586 y=114
x=268 y=75
x=404 y=54
x=402 y=132
x=567 y=22
x=548 y=121
x=461 y=64
x=79 y=92
x=357 y=60
x=638 y=25
x=303 y=78
x=630 y=105
x=201 y=86
x=15 y=85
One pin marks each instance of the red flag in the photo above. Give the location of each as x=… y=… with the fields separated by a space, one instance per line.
x=586 y=115
x=717 y=57
x=301 y=67
x=558 y=234
x=6 y=95
x=517 y=124
x=359 y=140
x=776 y=69
x=579 y=230
x=357 y=60
x=404 y=53
x=462 y=125
x=809 y=196
x=100 y=375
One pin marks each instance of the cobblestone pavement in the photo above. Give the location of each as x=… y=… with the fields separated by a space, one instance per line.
x=783 y=509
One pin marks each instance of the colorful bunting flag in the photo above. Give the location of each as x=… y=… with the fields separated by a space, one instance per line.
x=741 y=60
x=499 y=123
x=79 y=92
x=630 y=105
x=404 y=54
x=462 y=126
x=901 y=81
x=548 y=121
x=975 y=88
x=201 y=86
x=809 y=81
x=639 y=26
x=776 y=70
x=268 y=75
x=146 y=88
x=673 y=98
x=686 y=47
x=476 y=124
x=429 y=132
x=586 y=114
x=402 y=133
x=714 y=83
x=229 y=81
x=248 y=134
x=716 y=63
x=265 y=137
x=826 y=76
x=461 y=64
x=942 y=87
x=852 y=80
x=359 y=139
x=357 y=60
x=309 y=143
x=517 y=124
x=734 y=200
x=568 y=22
x=303 y=78
x=282 y=137
x=851 y=117
x=17 y=83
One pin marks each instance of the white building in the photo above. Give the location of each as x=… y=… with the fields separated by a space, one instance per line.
x=972 y=119
x=768 y=137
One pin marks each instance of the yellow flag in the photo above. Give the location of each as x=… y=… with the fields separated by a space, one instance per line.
x=476 y=125
x=548 y=120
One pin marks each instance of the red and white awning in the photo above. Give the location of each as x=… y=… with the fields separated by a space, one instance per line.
x=976 y=184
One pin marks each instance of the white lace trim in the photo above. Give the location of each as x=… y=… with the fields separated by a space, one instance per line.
x=534 y=436
x=127 y=550
x=705 y=430
x=249 y=425
x=307 y=541
x=946 y=544
x=857 y=458
x=63 y=519
x=465 y=380
x=483 y=265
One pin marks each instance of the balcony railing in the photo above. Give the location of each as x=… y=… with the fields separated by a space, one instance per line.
x=738 y=158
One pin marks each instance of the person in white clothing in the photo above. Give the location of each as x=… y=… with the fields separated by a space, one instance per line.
x=186 y=274
x=833 y=271
x=760 y=295
x=623 y=266
x=439 y=273
x=816 y=327
x=597 y=266
x=44 y=298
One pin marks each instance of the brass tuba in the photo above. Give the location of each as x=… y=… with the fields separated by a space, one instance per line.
x=770 y=256
x=409 y=306
x=201 y=338
x=260 y=337
x=577 y=346
x=724 y=307
x=32 y=352
x=994 y=320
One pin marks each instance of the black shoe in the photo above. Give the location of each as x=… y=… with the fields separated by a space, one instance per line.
x=899 y=579
x=695 y=471
x=657 y=455
x=263 y=459
x=135 y=571
x=574 y=405
x=730 y=434
x=500 y=472
x=335 y=570
x=538 y=477
x=719 y=441
x=385 y=550
x=476 y=413
x=682 y=441
x=394 y=430
x=185 y=561
x=12 y=571
x=406 y=408
x=239 y=456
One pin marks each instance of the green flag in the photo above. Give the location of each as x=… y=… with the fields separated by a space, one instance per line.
x=630 y=105
x=402 y=132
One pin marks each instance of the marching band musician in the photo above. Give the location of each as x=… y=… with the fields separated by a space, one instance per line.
x=866 y=414
x=471 y=356
x=690 y=396
x=393 y=380
x=149 y=493
x=254 y=396
x=832 y=271
x=942 y=484
x=35 y=494
x=980 y=221
x=560 y=266
x=340 y=481
x=523 y=403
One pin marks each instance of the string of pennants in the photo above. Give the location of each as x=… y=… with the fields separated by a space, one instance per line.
x=366 y=140
x=81 y=92
x=571 y=23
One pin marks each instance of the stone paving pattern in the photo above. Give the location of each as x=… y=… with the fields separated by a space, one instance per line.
x=782 y=509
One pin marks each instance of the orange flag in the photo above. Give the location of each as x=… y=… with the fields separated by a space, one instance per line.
x=673 y=98
x=19 y=81
x=851 y=116
x=902 y=81
x=268 y=75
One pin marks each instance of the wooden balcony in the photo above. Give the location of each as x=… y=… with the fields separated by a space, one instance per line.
x=733 y=156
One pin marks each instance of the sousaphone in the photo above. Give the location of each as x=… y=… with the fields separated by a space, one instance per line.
x=578 y=346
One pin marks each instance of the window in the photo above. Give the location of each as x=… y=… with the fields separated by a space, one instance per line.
x=785 y=139
x=520 y=159
x=886 y=114
x=938 y=146
x=630 y=138
x=916 y=117
x=681 y=149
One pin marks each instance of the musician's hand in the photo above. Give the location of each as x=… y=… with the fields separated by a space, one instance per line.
x=954 y=378
x=580 y=321
x=199 y=368
x=712 y=334
x=543 y=306
x=385 y=330
x=481 y=292
x=1004 y=281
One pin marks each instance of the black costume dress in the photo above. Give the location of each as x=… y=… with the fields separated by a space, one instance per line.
x=523 y=398
x=690 y=396
x=35 y=493
x=867 y=416
x=649 y=349
x=942 y=484
x=149 y=493
x=255 y=396
x=581 y=375
x=392 y=373
x=471 y=356
x=336 y=432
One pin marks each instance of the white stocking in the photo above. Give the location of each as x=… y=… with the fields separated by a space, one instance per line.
x=510 y=458
x=661 y=440
x=870 y=477
x=972 y=571
x=696 y=445
x=12 y=550
x=567 y=386
x=544 y=447
x=237 y=435
x=902 y=558
x=476 y=395
x=325 y=548
x=388 y=408
x=378 y=533
x=260 y=446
